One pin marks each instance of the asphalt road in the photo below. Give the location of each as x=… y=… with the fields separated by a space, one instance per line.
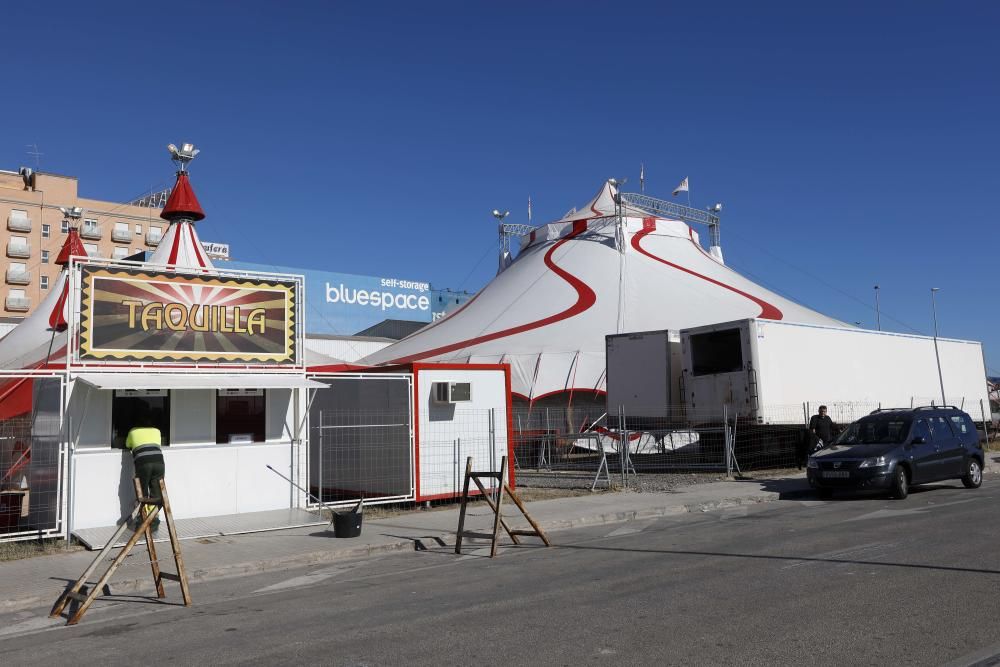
x=846 y=581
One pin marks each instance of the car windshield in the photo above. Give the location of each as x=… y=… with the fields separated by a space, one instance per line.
x=871 y=431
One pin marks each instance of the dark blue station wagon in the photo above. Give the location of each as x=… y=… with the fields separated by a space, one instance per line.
x=893 y=450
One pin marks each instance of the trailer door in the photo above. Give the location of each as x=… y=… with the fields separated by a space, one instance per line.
x=718 y=362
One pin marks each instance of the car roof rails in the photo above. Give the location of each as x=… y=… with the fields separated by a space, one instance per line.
x=935 y=407
x=878 y=410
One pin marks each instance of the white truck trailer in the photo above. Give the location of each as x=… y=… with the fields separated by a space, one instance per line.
x=643 y=373
x=773 y=372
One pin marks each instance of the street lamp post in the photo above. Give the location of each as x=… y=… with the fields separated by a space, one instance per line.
x=937 y=355
x=878 y=314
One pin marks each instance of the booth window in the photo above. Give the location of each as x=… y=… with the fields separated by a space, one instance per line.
x=240 y=415
x=130 y=406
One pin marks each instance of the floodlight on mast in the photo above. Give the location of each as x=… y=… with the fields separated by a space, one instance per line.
x=183 y=155
x=71 y=212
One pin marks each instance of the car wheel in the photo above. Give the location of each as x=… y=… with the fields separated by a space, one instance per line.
x=900 y=484
x=973 y=474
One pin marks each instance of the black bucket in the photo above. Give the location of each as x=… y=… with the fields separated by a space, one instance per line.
x=347 y=524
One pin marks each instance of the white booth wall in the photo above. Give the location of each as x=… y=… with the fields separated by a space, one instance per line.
x=203 y=478
x=450 y=432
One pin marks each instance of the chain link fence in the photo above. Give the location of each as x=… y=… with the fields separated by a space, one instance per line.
x=610 y=448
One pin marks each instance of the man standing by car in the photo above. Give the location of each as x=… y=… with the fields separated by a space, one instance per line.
x=822 y=428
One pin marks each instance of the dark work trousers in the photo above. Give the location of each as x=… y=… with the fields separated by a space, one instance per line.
x=149 y=469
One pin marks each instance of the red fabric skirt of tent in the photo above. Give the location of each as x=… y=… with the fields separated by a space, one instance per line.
x=15 y=398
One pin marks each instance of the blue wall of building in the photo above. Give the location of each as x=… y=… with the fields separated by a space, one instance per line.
x=344 y=303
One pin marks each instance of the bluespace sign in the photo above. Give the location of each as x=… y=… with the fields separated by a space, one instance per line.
x=344 y=303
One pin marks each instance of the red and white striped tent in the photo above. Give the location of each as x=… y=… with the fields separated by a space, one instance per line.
x=579 y=279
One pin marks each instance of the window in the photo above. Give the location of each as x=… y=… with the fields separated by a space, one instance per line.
x=239 y=415
x=16 y=293
x=46 y=230
x=138 y=230
x=716 y=352
x=91 y=249
x=90 y=224
x=18 y=267
x=940 y=429
x=130 y=406
x=962 y=424
x=65 y=226
x=121 y=227
x=120 y=253
x=43 y=282
x=45 y=257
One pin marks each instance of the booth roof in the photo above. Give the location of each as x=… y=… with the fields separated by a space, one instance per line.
x=198 y=381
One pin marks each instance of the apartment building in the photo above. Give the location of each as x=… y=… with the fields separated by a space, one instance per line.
x=33 y=232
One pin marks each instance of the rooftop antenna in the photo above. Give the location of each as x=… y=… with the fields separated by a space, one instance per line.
x=183 y=155
x=34 y=153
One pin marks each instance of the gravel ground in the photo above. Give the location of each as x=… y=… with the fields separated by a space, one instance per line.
x=643 y=482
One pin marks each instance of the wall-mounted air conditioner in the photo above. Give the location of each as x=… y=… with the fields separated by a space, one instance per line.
x=452 y=392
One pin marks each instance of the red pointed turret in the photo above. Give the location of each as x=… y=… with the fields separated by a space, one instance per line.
x=72 y=246
x=182 y=202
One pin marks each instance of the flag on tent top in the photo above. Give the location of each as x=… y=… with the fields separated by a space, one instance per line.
x=642 y=177
x=683 y=187
x=529 y=210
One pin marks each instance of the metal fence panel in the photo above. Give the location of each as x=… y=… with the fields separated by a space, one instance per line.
x=32 y=457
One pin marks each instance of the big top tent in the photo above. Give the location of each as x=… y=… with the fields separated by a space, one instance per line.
x=608 y=267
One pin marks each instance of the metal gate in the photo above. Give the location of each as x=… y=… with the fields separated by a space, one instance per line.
x=33 y=456
x=361 y=439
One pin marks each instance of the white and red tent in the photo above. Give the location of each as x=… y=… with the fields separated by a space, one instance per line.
x=580 y=278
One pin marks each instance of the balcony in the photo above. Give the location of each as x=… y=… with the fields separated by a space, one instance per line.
x=153 y=238
x=22 y=250
x=18 y=277
x=18 y=222
x=92 y=232
x=121 y=235
x=18 y=303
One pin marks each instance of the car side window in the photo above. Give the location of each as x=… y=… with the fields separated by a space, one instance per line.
x=940 y=429
x=960 y=424
x=920 y=430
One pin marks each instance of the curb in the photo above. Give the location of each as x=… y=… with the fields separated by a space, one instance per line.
x=326 y=556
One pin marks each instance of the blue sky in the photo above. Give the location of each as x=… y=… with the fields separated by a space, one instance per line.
x=851 y=143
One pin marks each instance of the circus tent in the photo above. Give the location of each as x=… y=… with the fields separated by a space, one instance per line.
x=608 y=267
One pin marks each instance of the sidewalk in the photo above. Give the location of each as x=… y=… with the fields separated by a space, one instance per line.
x=37 y=582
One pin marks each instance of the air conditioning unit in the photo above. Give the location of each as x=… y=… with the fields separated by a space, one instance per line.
x=452 y=392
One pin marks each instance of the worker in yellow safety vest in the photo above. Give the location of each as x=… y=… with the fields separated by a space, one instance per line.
x=144 y=441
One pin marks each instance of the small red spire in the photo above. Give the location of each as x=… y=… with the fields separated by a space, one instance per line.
x=72 y=246
x=182 y=202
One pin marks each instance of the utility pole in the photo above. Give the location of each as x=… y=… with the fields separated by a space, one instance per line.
x=937 y=355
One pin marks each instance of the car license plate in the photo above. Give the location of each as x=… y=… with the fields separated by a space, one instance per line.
x=837 y=473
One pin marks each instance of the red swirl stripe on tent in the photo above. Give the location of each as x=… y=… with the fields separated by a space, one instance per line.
x=585 y=298
x=767 y=311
